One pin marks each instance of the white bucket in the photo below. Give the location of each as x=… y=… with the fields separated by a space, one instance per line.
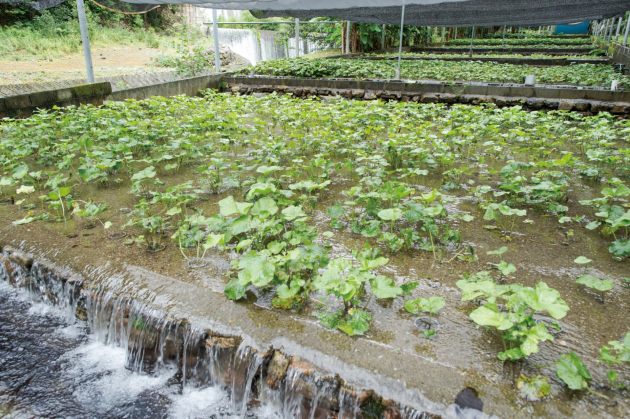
x=530 y=80
x=613 y=85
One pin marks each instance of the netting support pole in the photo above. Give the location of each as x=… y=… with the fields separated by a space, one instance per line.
x=539 y=28
x=400 y=41
x=443 y=29
x=612 y=23
x=472 y=38
x=215 y=35
x=383 y=38
x=455 y=32
x=625 y=37
x=297 y=37
x=503 y=42
x=85 y=38
x=348 y=37
x=618 y=29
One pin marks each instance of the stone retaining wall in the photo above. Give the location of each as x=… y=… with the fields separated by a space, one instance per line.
x=532 y=98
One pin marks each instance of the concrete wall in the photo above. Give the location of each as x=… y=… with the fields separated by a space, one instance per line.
x=23 y=106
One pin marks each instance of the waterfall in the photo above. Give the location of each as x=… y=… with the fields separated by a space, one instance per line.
x=261 y=45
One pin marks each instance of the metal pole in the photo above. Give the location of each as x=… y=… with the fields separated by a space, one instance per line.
x=297 y=37
x=87 y=53
x=612 y=23
x=503 y=42
x=618 y=29
x=428 y=35
x=383 y=37
x=550 y=30
x=625 y=37
x=539 y=28
x=455 y=32
x=443 y=29
x=400 y=40
x=215 y=35
x=472 y=38
x=348 y=37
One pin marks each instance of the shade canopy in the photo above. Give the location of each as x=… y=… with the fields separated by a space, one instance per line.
x=472 y=12
x=296 y=5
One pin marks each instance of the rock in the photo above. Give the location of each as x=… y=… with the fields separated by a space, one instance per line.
x=582 y=105
x=20 y=258
x=369 y=95
x=620 y=108
x=597 y=106
x=469 y=399
x=358 y=93
x=276 y=370
x=430 y=98
x=448 y=98
x=225 y=53
x=501 y=100
x=551 y=103
x=566 y=105
x=416 y=98
x=7 y=265
x=314 y=384
x=535 y=103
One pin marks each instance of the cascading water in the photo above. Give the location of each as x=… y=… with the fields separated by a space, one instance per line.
x=257 y=46
x=68 y=350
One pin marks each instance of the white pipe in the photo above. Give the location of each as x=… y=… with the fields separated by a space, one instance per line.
x=443 y=29
x=87 y=53
x=215 y=35
x=297 y=36
x=625 y=38
x=539 y=28
x=472 y=38
x=400 y=40
x=503 y=42
x=455 y=32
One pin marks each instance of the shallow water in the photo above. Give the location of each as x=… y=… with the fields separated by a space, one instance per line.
x=52 y=367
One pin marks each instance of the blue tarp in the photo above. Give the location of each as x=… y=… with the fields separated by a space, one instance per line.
x=581 y=29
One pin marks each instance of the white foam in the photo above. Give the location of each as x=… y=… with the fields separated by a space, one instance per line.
x=198 y=403
x=105 y=382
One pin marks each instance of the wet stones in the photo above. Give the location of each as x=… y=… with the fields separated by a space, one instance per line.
x=18 y=257
x=6 y=266
x=276 y=370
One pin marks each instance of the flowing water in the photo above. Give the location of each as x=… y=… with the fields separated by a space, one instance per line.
x=52 y=367
x=76 y=353
x=257 y=46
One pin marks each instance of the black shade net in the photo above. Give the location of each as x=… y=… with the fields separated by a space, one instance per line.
x=473 y=12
